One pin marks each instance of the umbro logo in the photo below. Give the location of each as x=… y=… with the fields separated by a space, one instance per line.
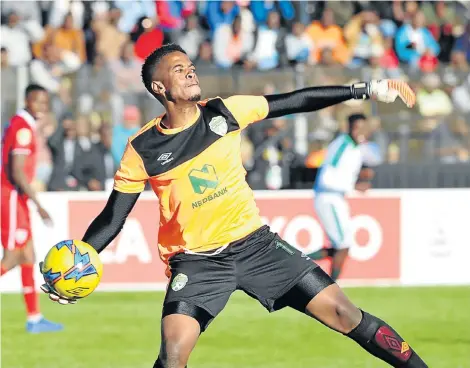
x=165 y=157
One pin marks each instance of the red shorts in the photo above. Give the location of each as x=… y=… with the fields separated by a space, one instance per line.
x=16 y=225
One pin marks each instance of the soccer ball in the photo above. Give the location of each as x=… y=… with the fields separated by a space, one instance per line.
x=72 y=268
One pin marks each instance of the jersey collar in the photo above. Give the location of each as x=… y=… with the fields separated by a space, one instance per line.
x=27 y=117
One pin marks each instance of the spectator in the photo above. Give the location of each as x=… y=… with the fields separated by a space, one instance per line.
x=27 y=11
x=221 y=12
x=442 y=144
x=147 y=38
x=69 y=145
x=326 y=58
x=65 y=38
x=126 y=79
x=191 y=38
x=413 y=41
x=462 y=44
x=261 y=10
x=379 y=136
x=109 y=38
x=389 y=59
x=95 y=89
x=298 y=44
x=16 y=40
x=249 y=25
x=122 y=132
x=457 y=70
x=461 y=97
x=53 y=66
x=60 y=9
x=172 y=14
x=9 y=86
x=266 y=54
x=326 y=34
x=133 y=12
x=101 y=166
x=204 y=61
x=433 y=101
x=231 y=44
x=45 y=127
x=364 y=38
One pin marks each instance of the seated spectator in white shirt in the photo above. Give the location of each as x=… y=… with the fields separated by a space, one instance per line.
x=266 y=53
x=298 y=44
x=54 y=65
x=15 y=38
x=231 y=44
x=192 y=37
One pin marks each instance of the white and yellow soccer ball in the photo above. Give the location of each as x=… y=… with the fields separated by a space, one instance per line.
x=72 y=268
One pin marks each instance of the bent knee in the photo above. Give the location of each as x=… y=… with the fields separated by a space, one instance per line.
x=348 y=315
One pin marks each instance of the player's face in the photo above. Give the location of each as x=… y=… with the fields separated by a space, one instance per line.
x=37 y=103
x=176 y=79
x=360 y=131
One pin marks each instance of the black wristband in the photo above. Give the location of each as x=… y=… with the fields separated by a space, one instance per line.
x=360 y=91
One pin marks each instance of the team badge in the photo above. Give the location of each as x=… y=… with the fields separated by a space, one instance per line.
x=179 y=282
x=23 y=137
x=21 y=235
x=219 y=125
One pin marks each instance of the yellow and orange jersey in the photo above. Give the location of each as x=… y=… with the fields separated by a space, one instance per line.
x=197 y=173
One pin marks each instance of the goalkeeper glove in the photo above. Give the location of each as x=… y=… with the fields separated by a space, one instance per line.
x=386 y=90
x=53 y=294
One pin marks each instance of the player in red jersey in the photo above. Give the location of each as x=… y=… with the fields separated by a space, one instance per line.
x=18 y=169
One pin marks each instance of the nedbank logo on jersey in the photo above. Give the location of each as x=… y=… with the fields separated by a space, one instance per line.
x=204 y=179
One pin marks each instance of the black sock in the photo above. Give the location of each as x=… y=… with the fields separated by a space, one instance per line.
x=158 y=364
x=382 y=341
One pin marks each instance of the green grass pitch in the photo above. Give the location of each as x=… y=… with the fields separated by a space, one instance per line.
x=121 y=330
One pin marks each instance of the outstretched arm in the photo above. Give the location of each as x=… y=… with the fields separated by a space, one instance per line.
x=316 y=98
x=110 y=221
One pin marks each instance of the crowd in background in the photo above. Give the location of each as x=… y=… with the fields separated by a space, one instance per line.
x=88 y=55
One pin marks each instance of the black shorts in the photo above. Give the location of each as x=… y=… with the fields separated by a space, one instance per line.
x=262 y=265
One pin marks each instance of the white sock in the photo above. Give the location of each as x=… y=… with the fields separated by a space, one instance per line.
x=35 y=318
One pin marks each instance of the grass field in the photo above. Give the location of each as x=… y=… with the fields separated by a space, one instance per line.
x=121 y=330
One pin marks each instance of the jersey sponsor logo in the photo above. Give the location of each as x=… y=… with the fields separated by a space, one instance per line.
x=219 y=125
x=203 y=179
x=210 y=197
x=23 y=137
x=179 y=282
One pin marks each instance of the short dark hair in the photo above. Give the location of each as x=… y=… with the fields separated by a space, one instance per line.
x=34 y=88
x=152 y=61
x=353 y=118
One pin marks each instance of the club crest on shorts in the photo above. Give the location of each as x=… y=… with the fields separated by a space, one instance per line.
x=21 y=235
x=179 y=282
x=219 y=125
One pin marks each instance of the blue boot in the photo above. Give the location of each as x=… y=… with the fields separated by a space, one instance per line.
x=43 y=325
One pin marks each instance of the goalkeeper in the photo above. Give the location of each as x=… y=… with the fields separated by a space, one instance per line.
x=210 y=234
